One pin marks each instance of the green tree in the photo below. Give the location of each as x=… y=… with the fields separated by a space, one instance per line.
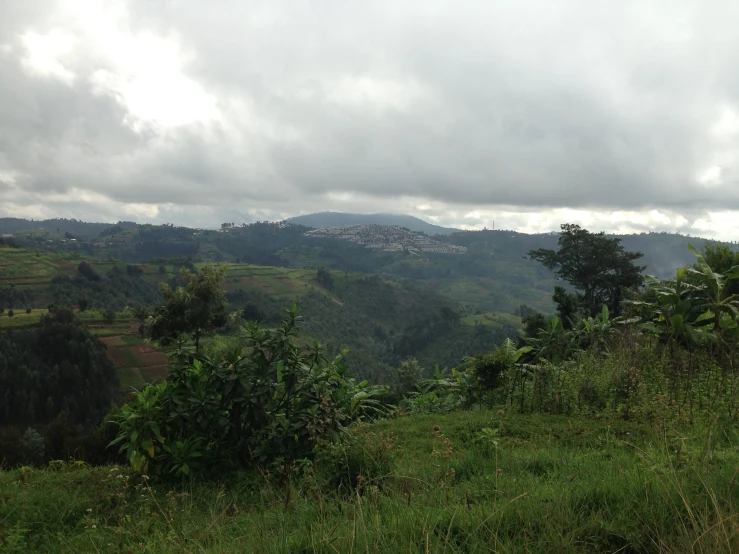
x=568 y=305
x=407 y=376
x=33 y=447
x=598 y=267
x=88 y=272
x=721 y=259
x=197 y=307
x=533 y=323
x=252 y=312
x=325 y=279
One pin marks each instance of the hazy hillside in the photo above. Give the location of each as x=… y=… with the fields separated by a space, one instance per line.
x=324 y=220
x=58 y=227
x=663 y=252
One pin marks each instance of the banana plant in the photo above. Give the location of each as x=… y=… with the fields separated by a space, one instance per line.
x=552 y=343
x=715 y=297
x=676 y=313
x=594 y=331
x=510 y=353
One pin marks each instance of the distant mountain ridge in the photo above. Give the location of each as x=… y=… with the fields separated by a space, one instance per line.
x=325 y=220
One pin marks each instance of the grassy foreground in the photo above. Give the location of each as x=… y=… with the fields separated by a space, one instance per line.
x=481 y=482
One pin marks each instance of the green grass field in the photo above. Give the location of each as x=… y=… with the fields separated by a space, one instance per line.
x=20 y=319
x=530 y=484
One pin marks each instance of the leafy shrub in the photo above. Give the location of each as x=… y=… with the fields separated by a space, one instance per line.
x=407 y=376
x=443 y=392
x=32 y=446
x=271 y=400
x=67 y=440
x=359 y=460
x=490 y=370
x=134 y=270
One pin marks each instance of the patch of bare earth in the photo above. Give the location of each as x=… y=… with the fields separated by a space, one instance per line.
x=150 y=363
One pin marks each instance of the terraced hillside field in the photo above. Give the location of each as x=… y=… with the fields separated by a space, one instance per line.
x=20 y=319
x=274 y=281
x=137 y=362
x=25 y=268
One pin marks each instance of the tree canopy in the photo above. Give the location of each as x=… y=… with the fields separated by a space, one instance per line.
x=597 y=266
x=58 y=367
x=197 y=307
x=722 y=259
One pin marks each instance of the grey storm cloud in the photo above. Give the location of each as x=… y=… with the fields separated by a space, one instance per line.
x=302 y=106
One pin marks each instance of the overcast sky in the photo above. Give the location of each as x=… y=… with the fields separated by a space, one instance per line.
x=622 y=116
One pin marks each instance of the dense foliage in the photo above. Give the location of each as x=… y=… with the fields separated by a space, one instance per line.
x=264 y=402
x=56 y=368
x=12 y=297
x=381 y=322
x=120 y=287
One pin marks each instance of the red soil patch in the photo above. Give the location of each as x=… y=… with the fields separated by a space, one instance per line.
x=152 y=364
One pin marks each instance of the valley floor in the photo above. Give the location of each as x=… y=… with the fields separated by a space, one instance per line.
x=457 y=482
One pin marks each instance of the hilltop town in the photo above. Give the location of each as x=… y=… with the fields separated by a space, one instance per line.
x=388 y=238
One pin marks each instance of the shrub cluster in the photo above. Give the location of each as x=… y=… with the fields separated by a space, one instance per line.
x=268 y=402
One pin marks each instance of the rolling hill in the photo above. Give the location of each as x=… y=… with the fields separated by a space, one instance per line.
x=325 y=220
x=380 y=320
x=489 y=270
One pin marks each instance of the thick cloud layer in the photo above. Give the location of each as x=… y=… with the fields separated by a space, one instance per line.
x=621 y=116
